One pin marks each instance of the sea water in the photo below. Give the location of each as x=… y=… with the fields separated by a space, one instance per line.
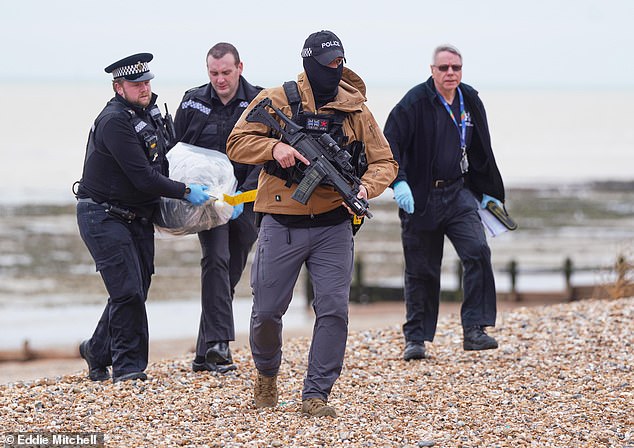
x=539 y=136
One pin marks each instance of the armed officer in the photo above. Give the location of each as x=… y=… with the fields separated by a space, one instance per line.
x=124 y=175
x=327 y=97
x=205 y=118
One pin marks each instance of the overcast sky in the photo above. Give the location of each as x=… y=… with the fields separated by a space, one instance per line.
x=532 y=44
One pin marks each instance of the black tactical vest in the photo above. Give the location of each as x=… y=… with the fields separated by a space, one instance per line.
x=151 y=133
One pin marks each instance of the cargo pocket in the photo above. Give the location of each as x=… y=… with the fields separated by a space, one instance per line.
x=119 y=273
x=263 y=273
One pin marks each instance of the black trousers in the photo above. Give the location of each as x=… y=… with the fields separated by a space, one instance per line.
x=124 y=256
x=454 y=212
x=225 y=250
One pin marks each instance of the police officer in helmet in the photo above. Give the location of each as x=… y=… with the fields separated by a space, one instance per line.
x=125 y=174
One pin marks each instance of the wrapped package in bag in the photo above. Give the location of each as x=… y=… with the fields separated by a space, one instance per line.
x=192 y=164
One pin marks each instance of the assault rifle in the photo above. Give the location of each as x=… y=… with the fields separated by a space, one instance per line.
x=328 y=162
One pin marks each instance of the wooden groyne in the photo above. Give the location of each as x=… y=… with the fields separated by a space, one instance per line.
x=361 y=291
x=26 y=353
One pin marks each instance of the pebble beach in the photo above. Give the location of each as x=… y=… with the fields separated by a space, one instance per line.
x=562 y=377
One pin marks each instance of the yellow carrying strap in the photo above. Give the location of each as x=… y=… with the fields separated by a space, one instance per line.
x=247 y=196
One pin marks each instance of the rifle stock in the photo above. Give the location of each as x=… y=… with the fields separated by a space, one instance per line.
x=328 y=162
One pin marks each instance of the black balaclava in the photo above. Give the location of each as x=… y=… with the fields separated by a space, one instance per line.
x=324 y=80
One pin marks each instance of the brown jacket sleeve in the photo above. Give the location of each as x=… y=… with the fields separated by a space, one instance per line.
x=382 y=168
x=250 y=142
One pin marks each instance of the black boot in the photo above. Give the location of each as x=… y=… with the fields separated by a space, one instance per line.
x=199 y=364
x=130 y=377
x=414 y=350
x=217 y=359
x=219 y=353
x=475 y=338
x=95 y=373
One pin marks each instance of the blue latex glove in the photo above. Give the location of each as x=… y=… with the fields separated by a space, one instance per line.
x=237 y=209
x=403 y=196
x=486 y=199
x=197 y=195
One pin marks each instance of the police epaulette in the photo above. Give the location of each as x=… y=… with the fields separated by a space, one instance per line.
x=195 y=88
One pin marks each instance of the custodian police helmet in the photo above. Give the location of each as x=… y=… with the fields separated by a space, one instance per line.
x=133 y=68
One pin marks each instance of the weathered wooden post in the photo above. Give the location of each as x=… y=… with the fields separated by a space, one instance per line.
x=568 y=269
x=621 y=282
x=621 y=270
x=513 y=274
x=358 y=293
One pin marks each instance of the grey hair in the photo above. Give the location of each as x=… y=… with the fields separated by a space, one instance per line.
x=445 y=47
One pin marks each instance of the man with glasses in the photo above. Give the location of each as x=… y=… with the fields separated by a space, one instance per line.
x=440 y=138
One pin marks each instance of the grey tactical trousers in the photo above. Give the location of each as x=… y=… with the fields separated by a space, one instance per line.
x=328 y=254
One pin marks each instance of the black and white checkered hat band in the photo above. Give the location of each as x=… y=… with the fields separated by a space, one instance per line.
x=135 y=69
x=307 y=52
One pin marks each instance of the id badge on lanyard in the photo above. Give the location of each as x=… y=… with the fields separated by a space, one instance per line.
x=462 y=129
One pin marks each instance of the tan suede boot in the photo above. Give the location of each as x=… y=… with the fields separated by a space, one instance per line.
x=316 y=407
x=265 y=391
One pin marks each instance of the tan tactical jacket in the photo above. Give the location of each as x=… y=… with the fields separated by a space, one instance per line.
x=250 y=143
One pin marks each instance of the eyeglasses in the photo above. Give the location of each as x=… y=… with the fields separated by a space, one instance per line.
x=445 y=67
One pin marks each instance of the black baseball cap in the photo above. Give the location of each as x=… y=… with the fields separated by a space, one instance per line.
x=132 y=68
x=324 y=46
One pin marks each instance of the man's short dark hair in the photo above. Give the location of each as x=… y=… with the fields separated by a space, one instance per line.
x=221 y=49
x=116 y=81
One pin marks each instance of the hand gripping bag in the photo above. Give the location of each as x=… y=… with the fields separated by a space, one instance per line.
x=193 y=164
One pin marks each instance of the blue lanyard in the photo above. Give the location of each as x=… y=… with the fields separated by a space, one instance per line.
x=462 y=127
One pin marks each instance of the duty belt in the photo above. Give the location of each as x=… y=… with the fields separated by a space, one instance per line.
x=123 y=213
x=440 y=183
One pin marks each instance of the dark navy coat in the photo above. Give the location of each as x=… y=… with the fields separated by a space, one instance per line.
x=202 y=120
x=411 y=131
x=119 y=168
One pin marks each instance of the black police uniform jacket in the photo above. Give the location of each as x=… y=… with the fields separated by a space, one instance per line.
x=202 y=120
x=411 y=131
x=120 y=168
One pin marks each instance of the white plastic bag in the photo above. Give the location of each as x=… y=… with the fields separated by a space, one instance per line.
x=193 y=164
